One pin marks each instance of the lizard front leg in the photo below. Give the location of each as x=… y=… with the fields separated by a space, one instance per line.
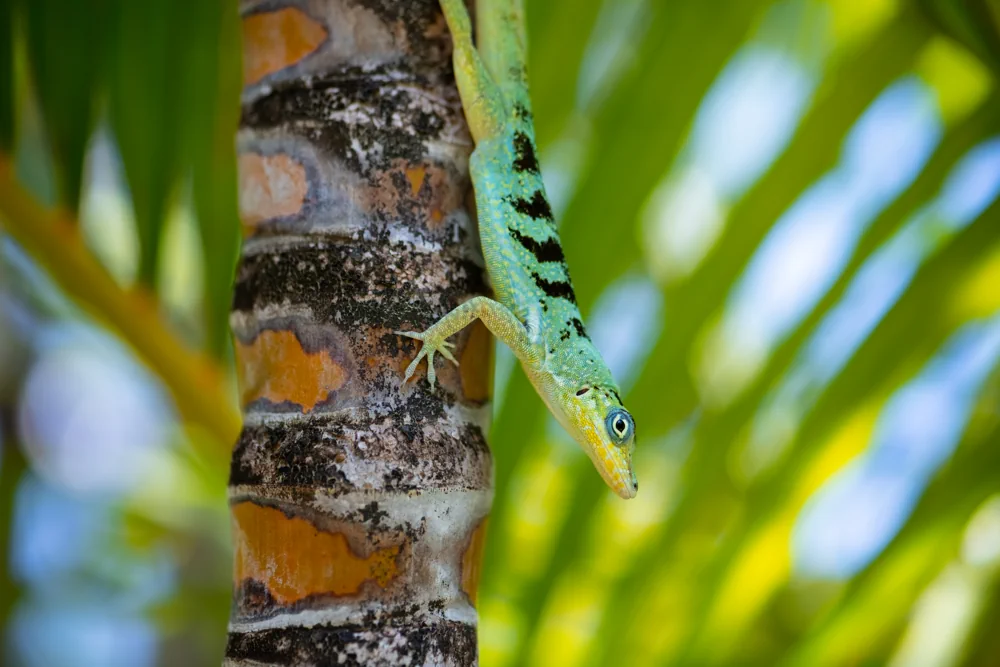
x=497 y=318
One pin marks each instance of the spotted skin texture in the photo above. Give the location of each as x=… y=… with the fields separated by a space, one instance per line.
x=535 y=311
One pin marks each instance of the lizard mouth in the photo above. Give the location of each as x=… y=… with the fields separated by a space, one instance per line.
x=617 y=474
x=626 y=486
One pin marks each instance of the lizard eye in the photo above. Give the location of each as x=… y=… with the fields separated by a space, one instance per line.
x=582 y=391
x=620 y=425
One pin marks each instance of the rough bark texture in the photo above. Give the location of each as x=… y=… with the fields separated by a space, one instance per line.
x=358 y=503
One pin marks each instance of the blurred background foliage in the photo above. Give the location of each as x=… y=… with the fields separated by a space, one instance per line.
x=783 y=224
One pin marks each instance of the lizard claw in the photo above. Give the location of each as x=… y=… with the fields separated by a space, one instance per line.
x=429 y=347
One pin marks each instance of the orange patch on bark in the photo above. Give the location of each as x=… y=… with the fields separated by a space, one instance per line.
x=472 y=561
x=271 y=186
x=275 y=40
x=415 y=175
x=294 y=559
x=274 y=366
x=476 y=364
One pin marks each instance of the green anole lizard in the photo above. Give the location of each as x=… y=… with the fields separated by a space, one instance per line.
x=535 y=312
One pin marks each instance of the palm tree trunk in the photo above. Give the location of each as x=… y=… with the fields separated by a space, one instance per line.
x=358 y=503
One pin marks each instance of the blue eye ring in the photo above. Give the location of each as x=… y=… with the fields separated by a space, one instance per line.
x=620 y=425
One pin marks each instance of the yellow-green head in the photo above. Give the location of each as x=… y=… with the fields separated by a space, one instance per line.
x=606 y=431
x=593 y=414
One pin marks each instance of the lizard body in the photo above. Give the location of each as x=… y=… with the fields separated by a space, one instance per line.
x=535 y=311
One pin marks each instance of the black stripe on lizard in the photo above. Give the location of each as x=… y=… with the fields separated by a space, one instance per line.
x=536 y=208
x=555 y=290
x=525 y=159
x=548 y=250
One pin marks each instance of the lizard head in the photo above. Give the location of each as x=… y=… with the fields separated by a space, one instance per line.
x=606 y=431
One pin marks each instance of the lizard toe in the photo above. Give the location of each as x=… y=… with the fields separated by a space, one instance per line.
x=411 y=369
x=431 y=375
x=445 y=350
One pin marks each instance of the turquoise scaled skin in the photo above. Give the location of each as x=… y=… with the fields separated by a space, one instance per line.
x=535 y=312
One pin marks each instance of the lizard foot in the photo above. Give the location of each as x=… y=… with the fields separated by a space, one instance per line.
x=431 y=344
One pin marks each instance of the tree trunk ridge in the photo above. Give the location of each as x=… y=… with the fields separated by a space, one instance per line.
x=358 y=504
